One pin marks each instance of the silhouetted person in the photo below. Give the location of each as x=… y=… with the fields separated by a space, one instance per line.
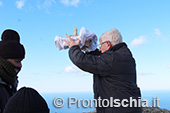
x=11 y=55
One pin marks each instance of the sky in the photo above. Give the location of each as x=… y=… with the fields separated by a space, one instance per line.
x=144 y=25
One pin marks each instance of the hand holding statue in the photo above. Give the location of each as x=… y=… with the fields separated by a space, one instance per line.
x=71 y=42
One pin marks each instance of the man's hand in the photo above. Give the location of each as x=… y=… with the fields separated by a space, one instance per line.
x=72 y=43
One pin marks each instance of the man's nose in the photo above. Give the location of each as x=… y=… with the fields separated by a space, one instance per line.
x=100 y=49
x=19 y=65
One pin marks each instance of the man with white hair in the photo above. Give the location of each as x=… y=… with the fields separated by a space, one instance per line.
x=114 y=73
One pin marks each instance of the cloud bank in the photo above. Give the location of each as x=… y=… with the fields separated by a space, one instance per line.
x=157 y=32
x=138 y=41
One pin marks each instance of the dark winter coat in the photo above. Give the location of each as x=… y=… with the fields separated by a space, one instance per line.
x=6 y=91
x=114 y=75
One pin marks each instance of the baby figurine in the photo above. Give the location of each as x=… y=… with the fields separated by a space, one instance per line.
x=75 y=33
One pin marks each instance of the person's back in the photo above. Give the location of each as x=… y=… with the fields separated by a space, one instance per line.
x=117 y=79
x=123 y=63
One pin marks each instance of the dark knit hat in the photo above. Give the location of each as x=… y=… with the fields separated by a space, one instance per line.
x=10 y=47
x=26 y=100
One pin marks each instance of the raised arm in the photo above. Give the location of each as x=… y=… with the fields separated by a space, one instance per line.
x=91 y=63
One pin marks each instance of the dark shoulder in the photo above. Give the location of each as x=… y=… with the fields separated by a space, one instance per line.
x=125 y=51
x=4 y=90
x=4 y=96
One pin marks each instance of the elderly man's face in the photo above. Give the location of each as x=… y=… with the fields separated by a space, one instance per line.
x=104 y=46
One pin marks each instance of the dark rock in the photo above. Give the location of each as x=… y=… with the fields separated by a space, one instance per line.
x=149 y=110
x=154 y=110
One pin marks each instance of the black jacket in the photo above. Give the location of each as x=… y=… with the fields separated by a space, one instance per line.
x=6 y=91
x=114 y=75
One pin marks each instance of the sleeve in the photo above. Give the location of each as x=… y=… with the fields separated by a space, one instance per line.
x=95 y=52
x=91 y=63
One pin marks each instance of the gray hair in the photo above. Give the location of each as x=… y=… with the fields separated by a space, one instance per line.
x=113 y=36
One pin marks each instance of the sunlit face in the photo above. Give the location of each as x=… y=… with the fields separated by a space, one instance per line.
x=104 y=46
x=16 y=62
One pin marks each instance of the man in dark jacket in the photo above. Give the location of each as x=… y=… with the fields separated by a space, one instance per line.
x=114 y=72
x=11 y=55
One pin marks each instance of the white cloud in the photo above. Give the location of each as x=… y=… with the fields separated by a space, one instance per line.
x=70 y=2
x=74 y=2
x=138 y=41
x=157 y=32
x=1 y=3
x=66 y=2
x=71 y=69
x=153 y=82
x=86 y=2
x=45 y=5
x=168 y=66
x=75 y=71
x=20 y=4
x=48 y=3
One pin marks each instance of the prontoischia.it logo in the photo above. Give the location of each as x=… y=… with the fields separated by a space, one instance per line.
x=131 y=102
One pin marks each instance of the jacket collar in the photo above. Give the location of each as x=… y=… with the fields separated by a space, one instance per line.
x=9 y=85
x=2 y=82
x=117 y=46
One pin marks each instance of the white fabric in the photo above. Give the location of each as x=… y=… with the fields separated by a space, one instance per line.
x=83 y=36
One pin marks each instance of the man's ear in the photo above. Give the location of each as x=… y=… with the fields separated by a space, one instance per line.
x=109 y=44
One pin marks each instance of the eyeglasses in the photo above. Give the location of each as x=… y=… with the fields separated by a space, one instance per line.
x=99 y=45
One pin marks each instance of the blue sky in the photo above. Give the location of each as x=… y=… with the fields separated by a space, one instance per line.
x=144 y=25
